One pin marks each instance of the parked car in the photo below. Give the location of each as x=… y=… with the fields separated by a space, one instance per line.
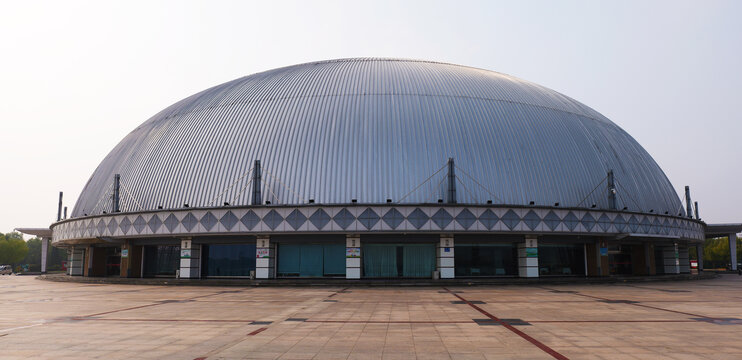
x=6 y=270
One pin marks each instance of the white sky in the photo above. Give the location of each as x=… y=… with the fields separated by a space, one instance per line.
x=76 y=77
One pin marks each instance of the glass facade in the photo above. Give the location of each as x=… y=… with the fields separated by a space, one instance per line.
x=398 y=260
x=561 y=259
x=230 y=260
x=311 y=260
x=619 y=260
x=473 y=260
x=161 y=260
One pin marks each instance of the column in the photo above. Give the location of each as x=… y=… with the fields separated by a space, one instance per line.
x=683 y=260
x=190 y=259
x=88 y=261
x=264 y=258
x=670 y=259
x=528 y=257
x=76 y=260
x=352 y=257
x=733 y=250
x=648 y=256
x=446 y=264
x=44 y=253
x=699 y=256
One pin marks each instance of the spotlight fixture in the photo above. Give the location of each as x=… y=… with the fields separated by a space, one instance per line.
x=226 y=203
x=267 y=202
x=556 y=204
x=531 y=203
x=311 y=201
x=159 y=207
x=354 y=201
x=388 y=201
x=666 y=212
x=651 y=210
x=593 y=206
x=440 y=201
x=186 y=205
x=104 y=212
x=625 y=208
x=489 y=202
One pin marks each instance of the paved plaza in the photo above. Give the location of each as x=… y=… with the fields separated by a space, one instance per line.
x=656 y=320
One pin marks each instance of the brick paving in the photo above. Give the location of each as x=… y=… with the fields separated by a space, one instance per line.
x=659 y=320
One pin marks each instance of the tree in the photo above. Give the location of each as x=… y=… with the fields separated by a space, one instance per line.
x=12 y=248
x=33 y=257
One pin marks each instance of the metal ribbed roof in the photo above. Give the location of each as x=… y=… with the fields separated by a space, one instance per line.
x=372 y=130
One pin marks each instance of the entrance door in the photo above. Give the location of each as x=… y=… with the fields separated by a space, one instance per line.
x=311 y=260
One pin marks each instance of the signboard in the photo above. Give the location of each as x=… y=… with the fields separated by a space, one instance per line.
x=185 y=253
x=353 y=252
x=262 y=253
x=532 y=252
x=694 y=264
x=448 y=249
x=604 y=251
x=125 y=253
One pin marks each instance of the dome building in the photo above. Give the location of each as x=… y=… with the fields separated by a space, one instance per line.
x=378 y=168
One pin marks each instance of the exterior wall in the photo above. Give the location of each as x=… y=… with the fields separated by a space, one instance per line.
x=76 y=260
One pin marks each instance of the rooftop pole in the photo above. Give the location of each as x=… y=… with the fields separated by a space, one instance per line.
x=116 y=188
x=257 y=197
x=59 y=208
x=611 y=191
x=688 y=207
x=451 y=182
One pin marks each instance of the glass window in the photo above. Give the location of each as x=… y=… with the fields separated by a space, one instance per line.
x=486 y=260
x=396 y=260
x=311 y=260
x=561 y=259
x=229 y=260
x=161 y=260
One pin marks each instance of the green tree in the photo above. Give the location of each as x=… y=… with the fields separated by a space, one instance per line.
x=12 y=248
x=716 y=252
x=33 y=257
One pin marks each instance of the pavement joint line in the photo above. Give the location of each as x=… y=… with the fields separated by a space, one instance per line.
x=629 y=302
x=86 y=318
x=523 y=335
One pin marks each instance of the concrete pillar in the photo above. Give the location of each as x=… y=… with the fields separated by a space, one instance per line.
x=648 y=256
x=683 y=260
x=190 y=259
x=446 y=257
x=76 y=260
x=528 y=257
x=88 y=263
x=44 y=253
x=352 y=257
x=264 y=258
x=699 y=256
x=733 y=250
x=671 y=259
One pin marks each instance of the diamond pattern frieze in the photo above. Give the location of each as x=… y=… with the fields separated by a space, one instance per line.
x=101 y=227
x=319 y=219
x=620 y=223
x=418 y=218
x=645 y=225
x=154 y=223
x=588 y=221
x=465 y=218
x=208 y=221
x=296 y=219
x=552 y=220
x=112 y=226
x=393 y=218
x=139 y=224
x=633 y=224
x=250 y=220
x=442 y=218
x=125 y=225
x=272 y=219
x=368 y=218
x=171 y=222
x=510 y=219
x=228 y=220
x=489 y=219
x=571 y=221
x=344 y=218
x=531 y=219
x=189 y=222
x=604 y=222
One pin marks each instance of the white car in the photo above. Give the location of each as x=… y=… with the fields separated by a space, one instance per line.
x=6 y=270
